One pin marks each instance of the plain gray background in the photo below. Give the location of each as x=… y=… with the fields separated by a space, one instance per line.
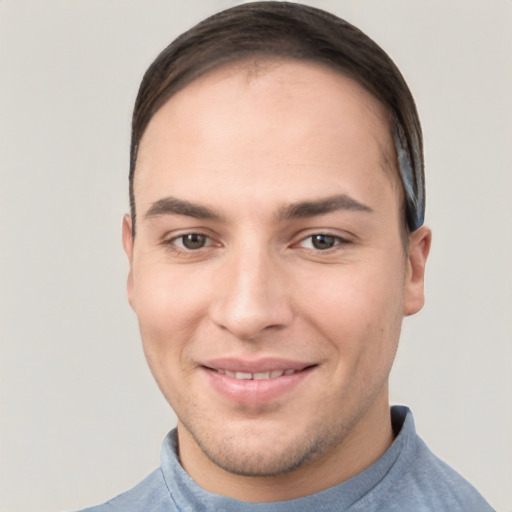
x=80 y=417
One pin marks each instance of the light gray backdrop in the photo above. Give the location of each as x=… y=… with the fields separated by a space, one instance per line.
x=80 y=417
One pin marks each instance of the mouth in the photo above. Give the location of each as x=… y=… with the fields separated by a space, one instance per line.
x=240 y=375
x=258 y=383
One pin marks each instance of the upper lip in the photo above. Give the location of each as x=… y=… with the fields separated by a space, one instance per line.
x=262 y=364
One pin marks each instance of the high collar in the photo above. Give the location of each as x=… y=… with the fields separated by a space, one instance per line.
x=190 y=497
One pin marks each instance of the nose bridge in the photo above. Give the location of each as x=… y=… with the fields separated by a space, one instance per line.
x=252 y=297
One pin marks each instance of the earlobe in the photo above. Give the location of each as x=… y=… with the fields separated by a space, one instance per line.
x=419 y=247
x=128 y=249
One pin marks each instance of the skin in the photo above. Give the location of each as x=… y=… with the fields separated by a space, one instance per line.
x=245 y=145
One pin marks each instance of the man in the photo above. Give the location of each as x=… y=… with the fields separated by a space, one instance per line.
x=276 y=242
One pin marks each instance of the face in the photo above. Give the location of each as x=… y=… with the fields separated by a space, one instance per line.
x=268 y=273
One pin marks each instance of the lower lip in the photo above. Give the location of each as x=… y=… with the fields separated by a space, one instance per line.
x=254 y=391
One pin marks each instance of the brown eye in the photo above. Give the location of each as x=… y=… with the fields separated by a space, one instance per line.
x=323 y=242
x=193 y=241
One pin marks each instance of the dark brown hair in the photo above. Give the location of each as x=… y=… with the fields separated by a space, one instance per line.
x=282 y=29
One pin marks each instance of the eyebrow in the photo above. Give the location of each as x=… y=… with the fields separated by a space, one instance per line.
x=174 y=206
x=322 y=206
x=301 y=209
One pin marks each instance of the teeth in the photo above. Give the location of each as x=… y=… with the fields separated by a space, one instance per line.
x=262 y=375
x=243 y=375
x=256 y=376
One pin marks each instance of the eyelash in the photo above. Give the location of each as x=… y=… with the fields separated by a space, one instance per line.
x=180 y=248
x=338 y=240
x=175 y=246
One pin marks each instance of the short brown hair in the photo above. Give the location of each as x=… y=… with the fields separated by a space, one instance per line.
x=282 y=29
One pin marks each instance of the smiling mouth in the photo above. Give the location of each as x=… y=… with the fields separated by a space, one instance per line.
x=273 y=374
x=256 y=376
x=264 y=382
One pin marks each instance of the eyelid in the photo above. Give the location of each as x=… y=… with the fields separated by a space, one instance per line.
x=208 y=241
x=341 y=239
x=169 y=241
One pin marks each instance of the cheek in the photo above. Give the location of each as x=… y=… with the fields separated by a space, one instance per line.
x=165 y=299
x=169 y=307
x=358 y=310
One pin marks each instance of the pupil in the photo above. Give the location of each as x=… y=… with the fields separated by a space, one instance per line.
x=323 y=241
x=194 y=241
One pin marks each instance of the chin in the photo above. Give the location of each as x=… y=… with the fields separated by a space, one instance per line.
x=263 y=452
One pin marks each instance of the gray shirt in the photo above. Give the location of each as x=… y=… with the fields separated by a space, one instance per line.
x=408 y=477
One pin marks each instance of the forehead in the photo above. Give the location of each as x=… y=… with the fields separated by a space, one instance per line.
x=284 y=113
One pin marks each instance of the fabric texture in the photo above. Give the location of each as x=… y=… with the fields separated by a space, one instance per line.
x=408 y=477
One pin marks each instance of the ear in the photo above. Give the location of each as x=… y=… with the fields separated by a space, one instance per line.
x=128 y=249
x=419 y=247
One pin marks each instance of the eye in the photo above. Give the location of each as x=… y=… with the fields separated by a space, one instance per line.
x=321 y=242
x=192 y=241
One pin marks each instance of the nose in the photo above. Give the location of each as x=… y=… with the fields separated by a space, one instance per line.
x=252 y=295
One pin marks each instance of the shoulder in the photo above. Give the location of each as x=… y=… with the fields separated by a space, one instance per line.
x=419 y=480
x=432 y=485
x=150 y=495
